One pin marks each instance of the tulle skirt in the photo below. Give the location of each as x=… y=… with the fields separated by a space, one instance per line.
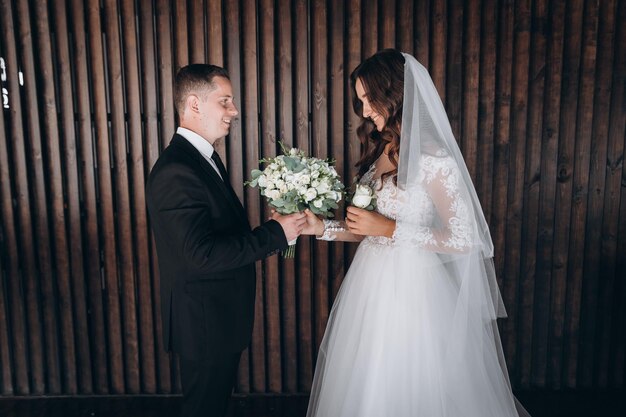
x=394 y=347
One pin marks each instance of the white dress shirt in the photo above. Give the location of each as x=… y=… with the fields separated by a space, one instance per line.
x=202 y=145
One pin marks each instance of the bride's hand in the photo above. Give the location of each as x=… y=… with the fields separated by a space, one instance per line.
x=314 y=225
x=369 y=223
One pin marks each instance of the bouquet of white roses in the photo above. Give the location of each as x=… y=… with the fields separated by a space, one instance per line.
x=293 y=182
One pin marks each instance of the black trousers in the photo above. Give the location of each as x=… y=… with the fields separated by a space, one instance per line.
x=207 y=385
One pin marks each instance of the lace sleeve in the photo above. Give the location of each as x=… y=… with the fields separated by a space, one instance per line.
x=450 y=230
x=337 y=230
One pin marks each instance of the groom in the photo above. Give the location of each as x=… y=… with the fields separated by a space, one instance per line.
x=205 y=245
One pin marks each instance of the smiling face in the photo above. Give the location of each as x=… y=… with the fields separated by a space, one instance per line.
x=368 y=111
x=210 y=114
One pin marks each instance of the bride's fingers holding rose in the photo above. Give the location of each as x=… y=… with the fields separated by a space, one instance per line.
x=369 y=223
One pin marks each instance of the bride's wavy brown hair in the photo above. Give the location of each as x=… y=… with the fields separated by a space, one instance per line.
x=382 y=76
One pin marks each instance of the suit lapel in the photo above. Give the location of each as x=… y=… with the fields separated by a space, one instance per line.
x=227 y=191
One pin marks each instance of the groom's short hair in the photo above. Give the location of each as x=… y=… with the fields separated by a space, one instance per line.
x=195 y=79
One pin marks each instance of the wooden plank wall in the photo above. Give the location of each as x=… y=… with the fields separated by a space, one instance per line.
x=536 y=95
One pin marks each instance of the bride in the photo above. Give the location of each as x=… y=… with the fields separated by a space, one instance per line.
x=413 y=329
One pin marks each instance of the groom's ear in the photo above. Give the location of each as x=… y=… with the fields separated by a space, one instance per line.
x=192 y=103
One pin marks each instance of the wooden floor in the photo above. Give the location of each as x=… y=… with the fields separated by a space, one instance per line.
x=539 y=404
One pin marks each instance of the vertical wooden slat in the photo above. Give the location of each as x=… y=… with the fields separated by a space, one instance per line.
x=11 y=310
x=139 y=221
x=306 y=344
x=530 y=342
x=181 y=35
x=63 y=298
x=521 y=45
x=71 y=169
x=112 y=321
x=6 y=385
x=607 y=272
x=89 y=199
x=286 y=133
x=353 y=49
x=353 y=59
x=122 y=197
x=369 y=15
x=501 y=158
x=336 y=122
x=39 y=288
x=437 y=47
x=268 y=148
x=252 y=199
x=167 y=68
x=486 y=107
x=547 y=198
x=215 y=54
x=614 y=224
x=153 y=107
x=422 y=24
x=565 y=166
x=454 y=70
x=214 y=32
x=387 y=35
x=471 y=80
x=234 y=142
x=150 y=15
x=584 y=118
x=545 y=224
x=319 y=148
x=404 y=26
x=21 y=328
x=197 y=32
x=597 y=283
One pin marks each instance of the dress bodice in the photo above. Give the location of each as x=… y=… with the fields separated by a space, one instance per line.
x=439 y=214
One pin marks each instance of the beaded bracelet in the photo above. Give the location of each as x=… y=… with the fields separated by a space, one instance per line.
x=331 y=227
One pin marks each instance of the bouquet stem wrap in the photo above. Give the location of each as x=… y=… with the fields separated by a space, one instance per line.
x=290 y=252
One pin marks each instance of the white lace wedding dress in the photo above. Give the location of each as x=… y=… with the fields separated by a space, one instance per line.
x=389 y=350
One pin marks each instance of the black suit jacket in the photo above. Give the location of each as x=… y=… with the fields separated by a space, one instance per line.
x=206 y=253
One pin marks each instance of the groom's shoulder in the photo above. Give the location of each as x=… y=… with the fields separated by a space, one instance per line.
x=172 y=159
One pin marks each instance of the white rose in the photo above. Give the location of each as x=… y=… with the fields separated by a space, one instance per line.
x=315 y=174
x=310 y=194
x=269 y=184
x=318 y=203
x=302 y=189
x=332 y=195
x=273 y=194
x=362 y=196
x=304 y=179
x=262 y=180
x=323 y=187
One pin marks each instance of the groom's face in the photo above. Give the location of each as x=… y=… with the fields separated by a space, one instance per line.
x=217 y=110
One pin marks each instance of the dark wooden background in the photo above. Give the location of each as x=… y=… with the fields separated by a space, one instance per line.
x=536 y=94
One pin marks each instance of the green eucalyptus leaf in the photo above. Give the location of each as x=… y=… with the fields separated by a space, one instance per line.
x=278 y=203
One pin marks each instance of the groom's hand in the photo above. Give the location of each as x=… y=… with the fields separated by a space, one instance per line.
x=292 y=224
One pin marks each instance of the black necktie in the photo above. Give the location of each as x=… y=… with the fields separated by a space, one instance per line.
x=220 y=166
